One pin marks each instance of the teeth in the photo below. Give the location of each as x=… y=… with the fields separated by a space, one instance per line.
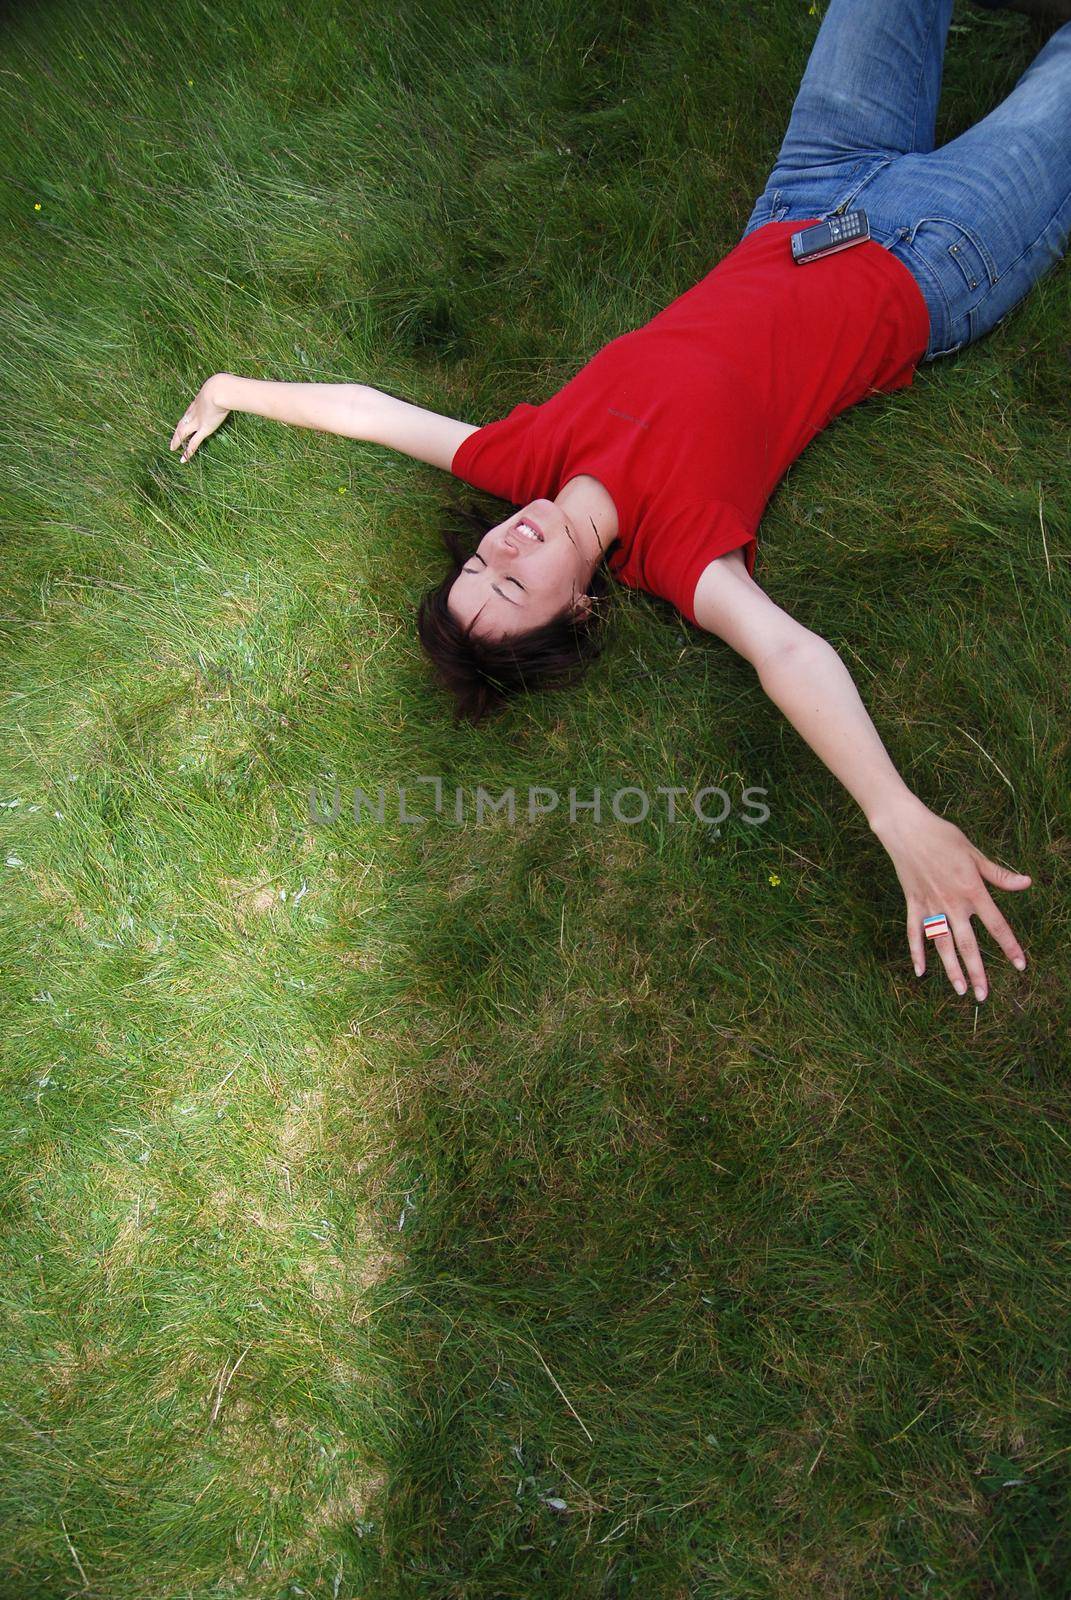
x=522 y=527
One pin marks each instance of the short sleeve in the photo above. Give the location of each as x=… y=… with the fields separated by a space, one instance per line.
x=511 y=458
x=674 y=548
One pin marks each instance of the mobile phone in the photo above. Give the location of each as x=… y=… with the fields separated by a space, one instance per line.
x=826 y=238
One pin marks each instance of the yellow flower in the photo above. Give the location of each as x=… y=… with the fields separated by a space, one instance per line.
x=189 y=83
x=774 y=879
x=342 y=488
x=37 y=205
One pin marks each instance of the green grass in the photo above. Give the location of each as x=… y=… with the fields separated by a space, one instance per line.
x=532 y=1210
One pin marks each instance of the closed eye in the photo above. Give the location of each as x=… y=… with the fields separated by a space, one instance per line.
x=510 y=579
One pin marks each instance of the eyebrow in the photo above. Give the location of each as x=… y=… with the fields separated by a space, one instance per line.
x=476 y=556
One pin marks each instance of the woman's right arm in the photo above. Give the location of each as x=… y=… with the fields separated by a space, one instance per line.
x=352 y=409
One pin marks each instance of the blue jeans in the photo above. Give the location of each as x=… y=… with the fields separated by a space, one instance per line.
x=978 y=221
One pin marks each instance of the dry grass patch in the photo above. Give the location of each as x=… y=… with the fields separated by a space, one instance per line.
x=54 y=892
x=249 y=901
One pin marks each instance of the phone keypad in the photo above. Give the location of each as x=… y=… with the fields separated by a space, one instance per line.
x=833 y=233
x=842 y=229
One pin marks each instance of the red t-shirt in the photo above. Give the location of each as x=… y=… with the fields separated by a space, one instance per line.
x=691 y=420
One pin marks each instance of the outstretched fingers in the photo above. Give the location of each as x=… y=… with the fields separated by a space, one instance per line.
x=1002 y=933
x=183 y=429
x=1003 y=877
x=968 y=952
x=945 y=945
x=958 y=948
x=188 y=430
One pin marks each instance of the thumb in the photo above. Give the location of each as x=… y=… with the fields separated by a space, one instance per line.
x=1003 y=877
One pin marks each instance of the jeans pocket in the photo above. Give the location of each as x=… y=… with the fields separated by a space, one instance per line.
x=954 y=269
x=957 y=267
x=769 y=207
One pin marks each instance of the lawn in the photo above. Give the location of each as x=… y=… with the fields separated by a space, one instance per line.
x=485 y=1206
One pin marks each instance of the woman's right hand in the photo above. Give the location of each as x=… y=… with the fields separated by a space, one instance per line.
x=202 y=417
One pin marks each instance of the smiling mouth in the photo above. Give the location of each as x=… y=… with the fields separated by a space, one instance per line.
x=533 y=535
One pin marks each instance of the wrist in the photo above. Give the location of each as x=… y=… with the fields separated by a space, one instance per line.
x=226 y=390
x=895 y=816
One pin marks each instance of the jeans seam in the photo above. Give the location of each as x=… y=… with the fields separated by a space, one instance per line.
x=935 y=280
x=918 y=82
x=1028 y=247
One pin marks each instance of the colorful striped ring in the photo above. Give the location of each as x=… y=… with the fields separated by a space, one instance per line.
x=938 y=924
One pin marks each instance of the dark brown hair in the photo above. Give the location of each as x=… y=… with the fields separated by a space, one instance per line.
x=483 y=675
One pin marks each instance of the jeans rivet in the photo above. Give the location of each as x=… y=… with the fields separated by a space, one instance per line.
x=955 y=249
x=974 y=283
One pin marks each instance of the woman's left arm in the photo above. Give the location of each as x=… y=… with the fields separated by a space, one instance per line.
x=938 y=867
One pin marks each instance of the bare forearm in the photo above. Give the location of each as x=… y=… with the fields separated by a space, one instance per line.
x=809 y=682
x=938 y=867
x=328 y=407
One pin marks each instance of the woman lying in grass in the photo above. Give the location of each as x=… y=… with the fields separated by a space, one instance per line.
x=658 y=457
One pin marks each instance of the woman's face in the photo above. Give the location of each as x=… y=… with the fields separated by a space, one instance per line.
x=523 y=572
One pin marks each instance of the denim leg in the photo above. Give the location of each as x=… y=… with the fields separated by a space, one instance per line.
x=871 y=83
x=980 y=220
x=868 y=94
x=1015 y=164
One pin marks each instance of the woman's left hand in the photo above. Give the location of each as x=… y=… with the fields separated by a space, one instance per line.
x=940 y=870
